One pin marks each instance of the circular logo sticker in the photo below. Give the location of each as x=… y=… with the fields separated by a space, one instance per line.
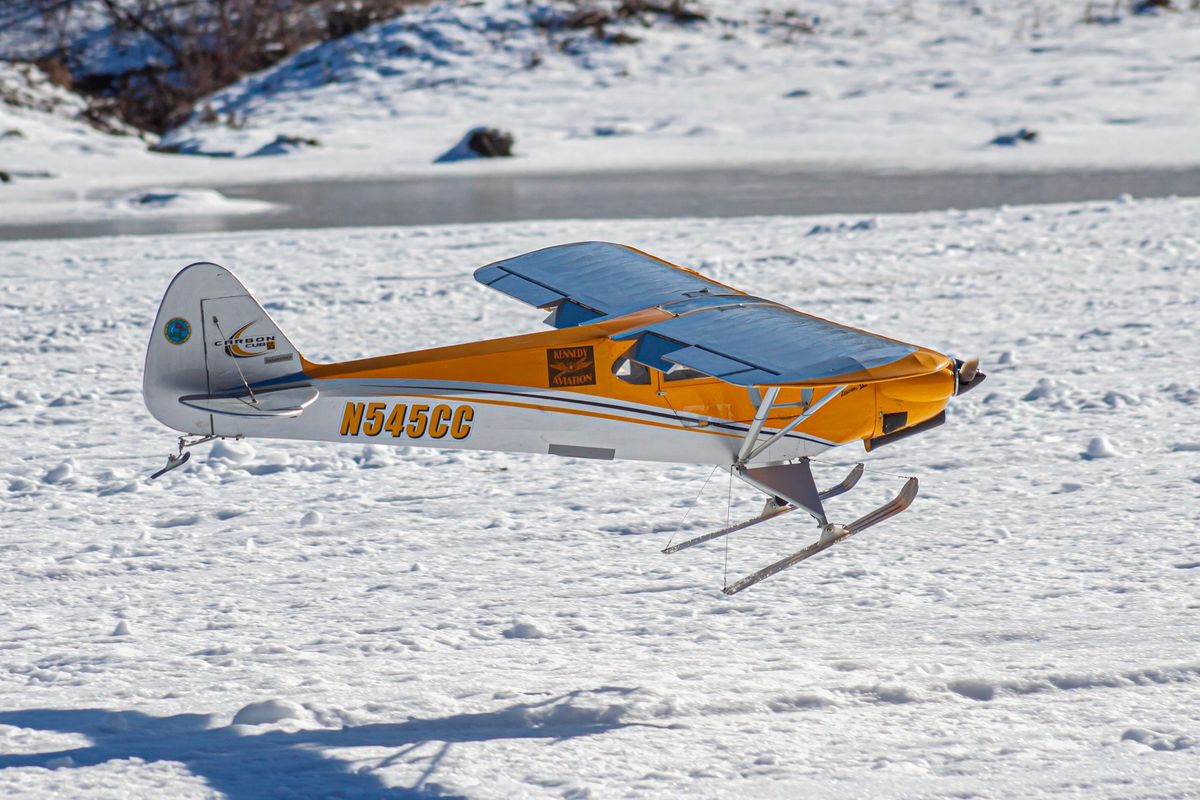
x=177 y=331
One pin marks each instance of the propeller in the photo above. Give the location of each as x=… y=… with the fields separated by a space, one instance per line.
x=968 y=375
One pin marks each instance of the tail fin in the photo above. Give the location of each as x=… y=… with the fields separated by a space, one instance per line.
x=216 y=358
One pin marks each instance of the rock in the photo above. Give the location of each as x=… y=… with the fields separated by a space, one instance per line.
x=1028 y=135
x=188 y=147
x=12 y=133
x=161 y=198
x=490 y=143
x=1151 y=6
x=122 y=629
x=5 y=177
x=310 y=518
x=285 y=144
x=479 y=143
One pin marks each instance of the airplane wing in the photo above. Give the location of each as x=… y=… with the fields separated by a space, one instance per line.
x=710 y=327
x=759 y=343
x=584 y=281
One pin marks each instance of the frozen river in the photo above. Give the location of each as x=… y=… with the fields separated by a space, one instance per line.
x=723 y=192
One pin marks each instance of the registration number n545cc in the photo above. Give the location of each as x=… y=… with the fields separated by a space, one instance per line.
x=411 y=420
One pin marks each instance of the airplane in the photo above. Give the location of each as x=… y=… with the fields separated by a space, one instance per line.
x=645 y=360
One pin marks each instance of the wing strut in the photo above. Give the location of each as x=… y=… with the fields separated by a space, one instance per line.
x=750 y=448
x=756 y=426
x=791 y=426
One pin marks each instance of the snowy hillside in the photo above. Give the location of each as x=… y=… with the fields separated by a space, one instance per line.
x=292 y=620
x=928 y=84
x=925 y=84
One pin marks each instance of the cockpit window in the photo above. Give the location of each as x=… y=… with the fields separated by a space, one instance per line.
x=631 y=371
x=678 y=372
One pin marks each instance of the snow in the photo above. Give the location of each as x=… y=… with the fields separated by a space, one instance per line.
x=1100 y=447
x=159 y=202
x=921 y=85
x=500 y=625
x=268 y=712
x=927 y=83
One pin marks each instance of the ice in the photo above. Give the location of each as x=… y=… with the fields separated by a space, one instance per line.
x=179 y=202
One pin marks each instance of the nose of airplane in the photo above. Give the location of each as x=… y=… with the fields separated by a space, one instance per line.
x=967 y=375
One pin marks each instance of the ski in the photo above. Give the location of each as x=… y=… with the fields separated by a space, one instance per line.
x=777 y=511
x=832 y=536
x=844 y=486
x=173 y=462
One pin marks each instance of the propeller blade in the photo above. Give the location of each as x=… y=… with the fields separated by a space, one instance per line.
x=966 y=372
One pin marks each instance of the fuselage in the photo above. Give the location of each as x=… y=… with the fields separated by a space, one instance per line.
x=573 y=392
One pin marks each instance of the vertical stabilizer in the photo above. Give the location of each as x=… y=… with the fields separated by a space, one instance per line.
x=212 y=339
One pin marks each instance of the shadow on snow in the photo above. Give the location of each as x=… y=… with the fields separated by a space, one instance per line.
x=242 y=765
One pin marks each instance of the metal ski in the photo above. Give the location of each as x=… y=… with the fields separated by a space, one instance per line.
x=847 y=483
x=831 y=536
x=173 y=462
x=770 y=512
x=179 y=459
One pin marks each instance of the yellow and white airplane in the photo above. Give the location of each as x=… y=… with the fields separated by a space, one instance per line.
x=646 y=361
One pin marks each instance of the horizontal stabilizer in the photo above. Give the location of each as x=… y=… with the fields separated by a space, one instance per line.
x=289 y=401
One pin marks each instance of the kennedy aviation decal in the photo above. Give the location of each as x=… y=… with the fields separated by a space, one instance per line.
x=241 y=345
x=571 y=366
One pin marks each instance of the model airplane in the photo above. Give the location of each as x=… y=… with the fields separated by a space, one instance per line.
x=646 y=361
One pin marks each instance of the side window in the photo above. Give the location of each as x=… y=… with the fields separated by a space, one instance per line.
x=631 y=371
x=682 y=373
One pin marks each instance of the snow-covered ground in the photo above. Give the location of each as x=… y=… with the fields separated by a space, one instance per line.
x=158 y=203
x=295 y=620
x=925 y=84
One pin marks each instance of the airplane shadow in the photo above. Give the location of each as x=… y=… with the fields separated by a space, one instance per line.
x=244 y=766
